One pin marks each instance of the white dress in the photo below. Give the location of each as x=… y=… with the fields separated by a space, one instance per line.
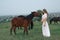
x=45 y=29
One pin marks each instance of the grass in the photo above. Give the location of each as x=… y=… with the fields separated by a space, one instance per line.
x=34 y=34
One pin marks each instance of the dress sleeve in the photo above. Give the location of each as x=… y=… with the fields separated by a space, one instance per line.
x=44 y=17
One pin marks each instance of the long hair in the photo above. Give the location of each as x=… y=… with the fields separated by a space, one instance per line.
x=45 y=11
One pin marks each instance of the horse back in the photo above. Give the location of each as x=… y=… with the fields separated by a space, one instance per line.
x=17 y=21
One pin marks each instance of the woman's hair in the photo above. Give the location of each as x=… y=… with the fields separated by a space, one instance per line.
x=45 y=11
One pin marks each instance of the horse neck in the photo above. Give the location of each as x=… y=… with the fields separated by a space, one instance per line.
x=30 y=16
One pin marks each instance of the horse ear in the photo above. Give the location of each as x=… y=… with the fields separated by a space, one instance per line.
x=33 y=12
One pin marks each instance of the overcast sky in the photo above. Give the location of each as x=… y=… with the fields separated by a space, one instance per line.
x=18 y=7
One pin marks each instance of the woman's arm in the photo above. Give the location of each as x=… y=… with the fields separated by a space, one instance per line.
x=44 y=20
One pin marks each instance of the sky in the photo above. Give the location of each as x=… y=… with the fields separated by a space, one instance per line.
x=24 y=7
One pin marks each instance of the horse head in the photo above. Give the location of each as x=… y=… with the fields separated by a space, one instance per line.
x=35 y=14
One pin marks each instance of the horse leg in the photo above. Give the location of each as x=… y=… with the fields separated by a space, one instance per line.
x=18 y=28
x=25 y=30
x=31 y=25
x=55 y=22
x=25 y=25
x=15 y=30
x=11 y=30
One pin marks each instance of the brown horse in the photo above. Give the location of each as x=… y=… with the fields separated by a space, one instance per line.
x=31 y=24
x=22 y=22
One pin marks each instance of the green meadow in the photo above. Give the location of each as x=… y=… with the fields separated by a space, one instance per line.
x=34 y=34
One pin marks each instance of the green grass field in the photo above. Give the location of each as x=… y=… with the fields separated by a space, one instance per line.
x=34 y=34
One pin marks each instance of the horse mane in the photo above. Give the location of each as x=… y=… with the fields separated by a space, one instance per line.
x=30 y=16
x=21 y=16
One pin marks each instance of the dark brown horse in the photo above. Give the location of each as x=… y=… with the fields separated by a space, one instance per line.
x=55 y=20
x=22 y=22
x=31 y=24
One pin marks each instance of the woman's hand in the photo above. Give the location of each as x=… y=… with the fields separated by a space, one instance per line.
x=44 y=23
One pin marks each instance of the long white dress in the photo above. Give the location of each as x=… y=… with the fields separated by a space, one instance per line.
x=45 y=29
